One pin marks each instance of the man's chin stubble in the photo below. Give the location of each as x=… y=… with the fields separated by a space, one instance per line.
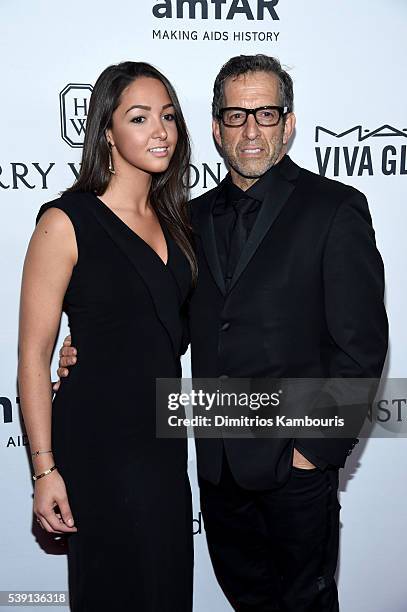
x=254 y=173
x=248 y=173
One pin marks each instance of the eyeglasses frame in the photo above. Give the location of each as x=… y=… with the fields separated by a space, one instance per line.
x=283 y=110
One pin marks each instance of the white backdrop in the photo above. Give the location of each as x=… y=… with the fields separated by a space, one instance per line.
x=346 y=60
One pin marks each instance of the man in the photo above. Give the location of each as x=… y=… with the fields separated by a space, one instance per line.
x=290 y=285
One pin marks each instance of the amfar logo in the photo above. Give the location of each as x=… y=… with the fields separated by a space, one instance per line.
x=354 y=157
x=19 y=440
x=74 y=106
x=7 y=409
x=175 y=8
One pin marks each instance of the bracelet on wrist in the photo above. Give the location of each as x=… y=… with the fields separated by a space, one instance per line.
x=38 y=476
x=40 y=452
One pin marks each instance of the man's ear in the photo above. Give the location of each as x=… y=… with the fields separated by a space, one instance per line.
x=289 y=127
x=216 y=132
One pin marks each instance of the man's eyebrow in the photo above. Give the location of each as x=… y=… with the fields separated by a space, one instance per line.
x=142 y=106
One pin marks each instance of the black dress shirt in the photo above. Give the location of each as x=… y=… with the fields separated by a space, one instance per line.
x=230 y=201
x=225 y=211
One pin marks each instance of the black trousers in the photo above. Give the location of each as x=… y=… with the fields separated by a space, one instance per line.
x=275 y=550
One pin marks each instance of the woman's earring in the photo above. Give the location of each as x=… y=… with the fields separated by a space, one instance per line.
x=111 y=167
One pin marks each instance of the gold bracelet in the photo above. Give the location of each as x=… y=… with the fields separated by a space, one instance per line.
x=39 y=452
x=38 y=476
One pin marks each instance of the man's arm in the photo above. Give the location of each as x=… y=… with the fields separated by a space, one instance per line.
x=353 y=277
x=67 y=357
x=354 y=293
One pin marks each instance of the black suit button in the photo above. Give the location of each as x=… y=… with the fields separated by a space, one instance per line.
x=223 y=377
x=225 y=326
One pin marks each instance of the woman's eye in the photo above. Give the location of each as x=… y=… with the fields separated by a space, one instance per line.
x=138 y=119
x=169 y=117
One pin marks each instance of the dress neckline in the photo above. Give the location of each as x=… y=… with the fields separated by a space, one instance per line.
x=136 y=235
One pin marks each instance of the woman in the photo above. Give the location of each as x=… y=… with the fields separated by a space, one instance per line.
x=114 y=253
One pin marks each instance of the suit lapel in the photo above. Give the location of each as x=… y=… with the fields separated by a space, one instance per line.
x=282 y=187
x=156 y=276
x=205 y=227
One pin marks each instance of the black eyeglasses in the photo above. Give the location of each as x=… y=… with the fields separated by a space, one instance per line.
x=235 y=116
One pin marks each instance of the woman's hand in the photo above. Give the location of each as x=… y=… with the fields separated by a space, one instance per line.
x=51 y=505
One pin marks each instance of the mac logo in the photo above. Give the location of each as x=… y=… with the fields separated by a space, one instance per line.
x=361 y=151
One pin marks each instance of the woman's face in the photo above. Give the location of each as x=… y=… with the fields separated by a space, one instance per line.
x=144 y=132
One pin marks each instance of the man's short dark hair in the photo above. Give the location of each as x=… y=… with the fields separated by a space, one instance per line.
x=242 y=64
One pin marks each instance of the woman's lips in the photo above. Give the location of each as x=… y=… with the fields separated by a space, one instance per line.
x=159 y=151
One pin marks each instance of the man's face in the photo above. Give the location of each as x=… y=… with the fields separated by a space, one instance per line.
x=252 y=149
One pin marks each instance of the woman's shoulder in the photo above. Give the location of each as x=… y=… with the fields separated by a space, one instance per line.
x=73 y=203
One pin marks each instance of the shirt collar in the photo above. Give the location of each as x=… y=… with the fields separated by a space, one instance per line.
x=256 y=191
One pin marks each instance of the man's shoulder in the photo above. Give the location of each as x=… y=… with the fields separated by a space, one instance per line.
x=315 y=185
x=203 y=202
x=206 y=196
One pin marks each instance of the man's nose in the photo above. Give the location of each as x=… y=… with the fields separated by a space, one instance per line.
x=251 y=129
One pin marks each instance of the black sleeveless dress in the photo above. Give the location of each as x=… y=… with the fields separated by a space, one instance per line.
x=128 y=490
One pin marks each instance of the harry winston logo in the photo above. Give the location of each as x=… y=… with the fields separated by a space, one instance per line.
x=74 y=107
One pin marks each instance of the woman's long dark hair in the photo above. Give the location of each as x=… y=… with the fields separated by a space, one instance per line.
x=169 y=192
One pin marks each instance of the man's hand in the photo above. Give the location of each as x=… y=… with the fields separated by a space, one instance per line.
x=67 y=357
x=300 y=461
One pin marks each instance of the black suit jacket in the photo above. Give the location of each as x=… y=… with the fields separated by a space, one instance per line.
x=306 y=300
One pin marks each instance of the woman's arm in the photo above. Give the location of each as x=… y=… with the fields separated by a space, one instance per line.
x=51 y=256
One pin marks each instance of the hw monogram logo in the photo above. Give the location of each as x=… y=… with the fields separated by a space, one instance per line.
x=74 y=106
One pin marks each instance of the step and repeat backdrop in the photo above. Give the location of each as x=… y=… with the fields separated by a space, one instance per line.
x=347 y=60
